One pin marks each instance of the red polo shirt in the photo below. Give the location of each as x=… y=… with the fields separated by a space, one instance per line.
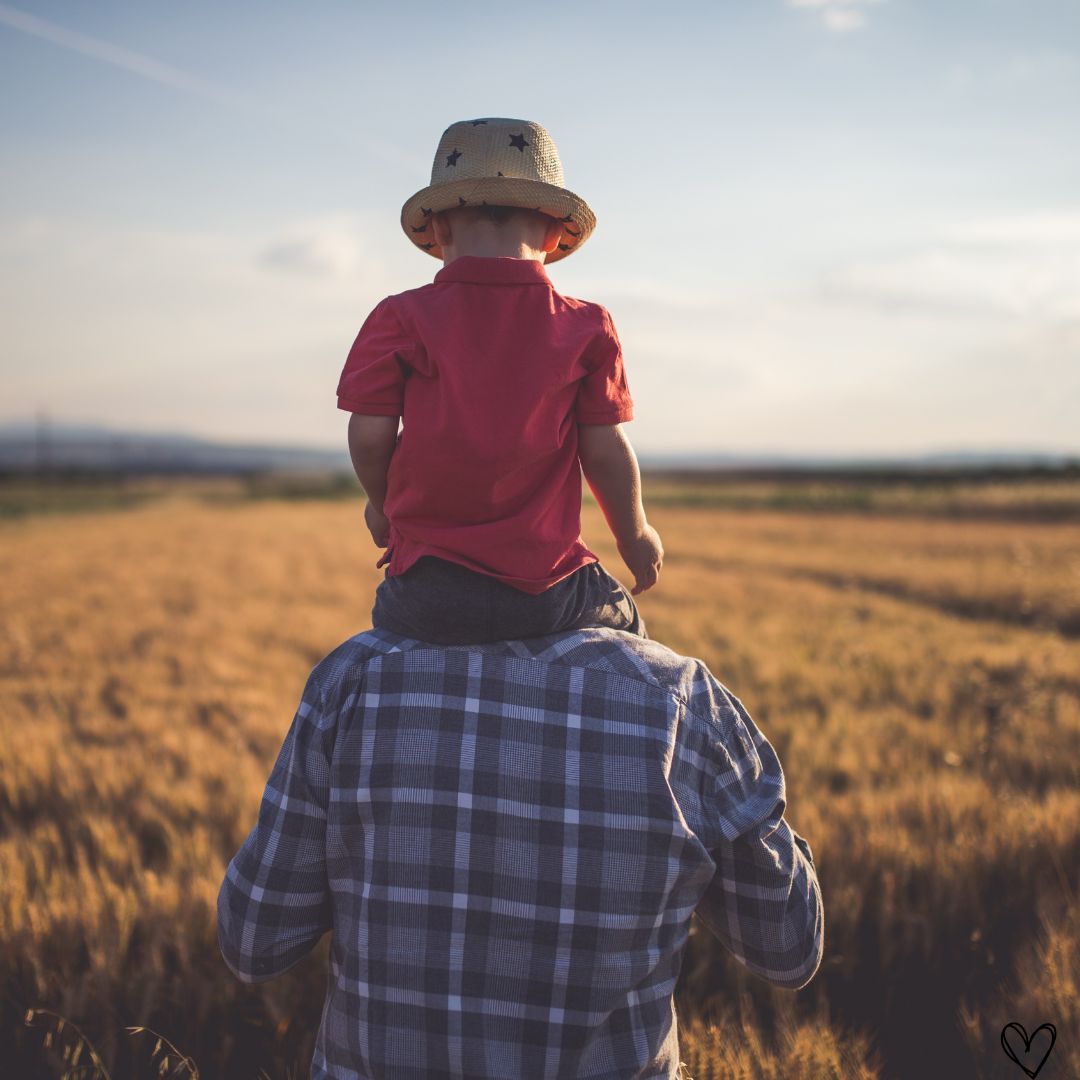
x=491 y=371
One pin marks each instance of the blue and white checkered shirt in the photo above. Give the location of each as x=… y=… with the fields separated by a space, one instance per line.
x=507 y=843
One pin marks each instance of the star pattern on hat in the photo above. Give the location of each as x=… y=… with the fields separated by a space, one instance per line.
x=421 y=233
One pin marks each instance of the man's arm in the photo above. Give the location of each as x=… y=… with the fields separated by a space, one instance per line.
x=274 y=904
x=611 y=468
x=371 y=445
x=764 y=902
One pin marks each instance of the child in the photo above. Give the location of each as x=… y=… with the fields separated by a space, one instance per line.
x=507 y=392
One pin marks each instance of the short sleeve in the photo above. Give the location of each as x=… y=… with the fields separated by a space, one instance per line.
x=373 y=379
x=603 y=396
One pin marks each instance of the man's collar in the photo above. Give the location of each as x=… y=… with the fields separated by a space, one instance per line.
x=493 y=271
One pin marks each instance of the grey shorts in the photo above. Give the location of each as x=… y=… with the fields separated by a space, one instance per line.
x=447 y=604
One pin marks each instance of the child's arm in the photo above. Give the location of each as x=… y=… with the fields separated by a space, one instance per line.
x=611 y=468
x=371 y=445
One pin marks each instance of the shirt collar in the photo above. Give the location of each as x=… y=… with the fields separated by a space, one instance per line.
x=479 y=270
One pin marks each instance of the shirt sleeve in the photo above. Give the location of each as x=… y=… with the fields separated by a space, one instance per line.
x=274 y=904
x=603 y=396
x=373 y=379
x=764 y=901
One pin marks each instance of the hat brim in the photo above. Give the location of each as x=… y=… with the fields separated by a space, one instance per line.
x=573 y=211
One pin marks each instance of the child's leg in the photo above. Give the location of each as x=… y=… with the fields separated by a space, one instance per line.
x=588 y=597
x=599 y=600
x=439 y=601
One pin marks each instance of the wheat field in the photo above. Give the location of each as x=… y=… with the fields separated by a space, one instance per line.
x=918 y=675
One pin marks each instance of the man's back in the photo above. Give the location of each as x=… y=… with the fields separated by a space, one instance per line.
x=508 y=842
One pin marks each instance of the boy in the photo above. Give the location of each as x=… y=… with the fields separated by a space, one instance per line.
x=507 y=391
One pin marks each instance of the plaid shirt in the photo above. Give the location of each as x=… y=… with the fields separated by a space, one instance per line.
x=507 y=843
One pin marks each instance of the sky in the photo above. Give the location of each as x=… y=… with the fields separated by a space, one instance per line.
x=824 y=226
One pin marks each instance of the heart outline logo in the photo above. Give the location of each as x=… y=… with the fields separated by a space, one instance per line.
x=1028 y=1040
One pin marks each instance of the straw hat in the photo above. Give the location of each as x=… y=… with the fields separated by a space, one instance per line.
x=502 y=162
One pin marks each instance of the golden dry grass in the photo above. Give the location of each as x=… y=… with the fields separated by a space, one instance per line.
x=920 y=679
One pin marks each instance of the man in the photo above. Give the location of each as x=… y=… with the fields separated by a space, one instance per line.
x=506 y=843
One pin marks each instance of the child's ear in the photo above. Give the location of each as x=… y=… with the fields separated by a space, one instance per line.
x=552 y=235
x=440 y=224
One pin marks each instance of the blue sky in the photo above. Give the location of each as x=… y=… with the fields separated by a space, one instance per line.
x=827 y=226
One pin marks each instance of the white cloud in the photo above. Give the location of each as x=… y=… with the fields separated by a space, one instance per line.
x=1045 y=228
x=1052 y=71
x=841 y=19
x=186 y=330
x=832 y=3
x=971 y=339
x=325 y=247
x=1020 y=267
x=839 y=16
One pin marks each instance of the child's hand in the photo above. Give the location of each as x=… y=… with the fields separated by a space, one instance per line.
x=643 y=555
x=378 y=525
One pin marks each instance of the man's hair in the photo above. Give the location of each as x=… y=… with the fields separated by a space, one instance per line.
x=500 y=215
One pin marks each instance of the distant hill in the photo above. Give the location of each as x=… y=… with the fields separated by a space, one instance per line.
x=950 y=461
x=24 y=447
